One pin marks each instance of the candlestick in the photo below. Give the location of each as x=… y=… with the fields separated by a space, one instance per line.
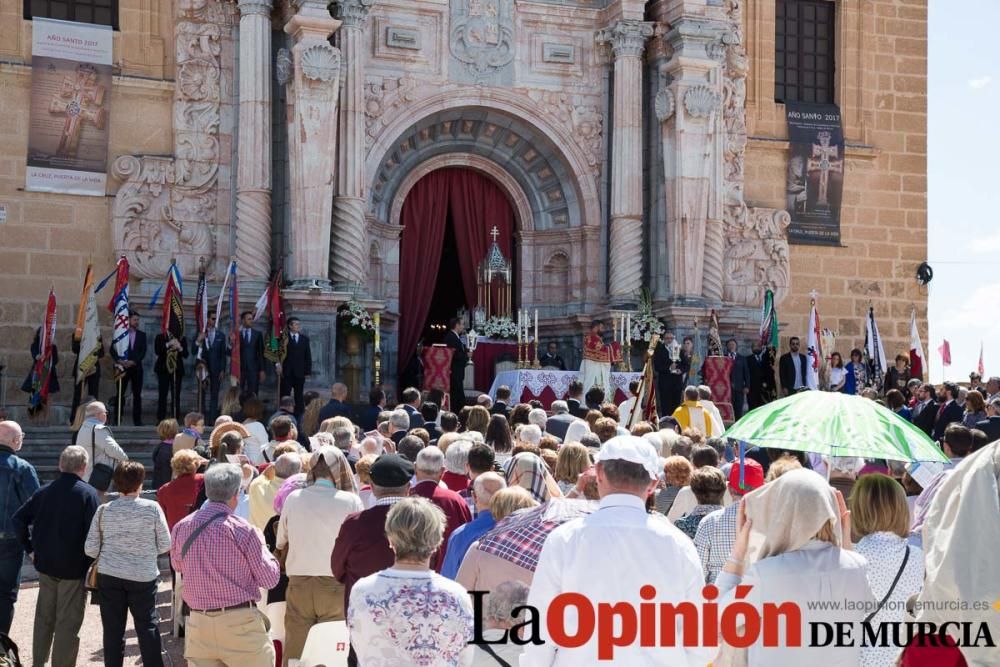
x=377 y=318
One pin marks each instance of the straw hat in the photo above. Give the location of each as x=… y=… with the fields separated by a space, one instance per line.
x=221 y=430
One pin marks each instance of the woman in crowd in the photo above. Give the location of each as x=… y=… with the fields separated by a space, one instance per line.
x=804 y=556
x=478 y=419
x=592 y=417
x=310 y=417
x=529 y=472
x=126 y=537
x=895 y=401
x=498 y=437
x=975 y=409
x=384 y=628
x=838 y=375
x=254 y=443
x=844 y=471
x=178 y=496
x=709 y=486
x=899 y=376
x=573 y=459
x=519 y=415
x=166 y=430
x=881 y=518
x=856 y=376
x=676 y=475
x=507 y=501
x=231 y=403
x=363 y=470
x=309 y=524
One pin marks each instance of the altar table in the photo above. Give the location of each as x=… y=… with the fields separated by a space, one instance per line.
x=485 y=357
x=548 y=385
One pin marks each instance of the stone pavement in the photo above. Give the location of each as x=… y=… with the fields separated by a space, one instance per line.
x=91 y=649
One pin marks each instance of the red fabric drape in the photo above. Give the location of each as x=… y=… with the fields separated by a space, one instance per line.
x=424 y=215
x=477 y=205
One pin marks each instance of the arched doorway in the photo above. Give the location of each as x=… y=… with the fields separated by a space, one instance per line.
x=448 y=218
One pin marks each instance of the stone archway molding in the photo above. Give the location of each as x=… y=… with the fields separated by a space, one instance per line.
x=485 y=166
x=405 y=114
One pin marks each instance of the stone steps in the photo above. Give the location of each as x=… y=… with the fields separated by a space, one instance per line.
x=43 y=445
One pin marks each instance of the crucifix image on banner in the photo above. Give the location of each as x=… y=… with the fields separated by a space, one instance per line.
x=814 y=184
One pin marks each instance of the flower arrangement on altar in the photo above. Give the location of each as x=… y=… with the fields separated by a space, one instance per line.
x=499 y=328
x=354 y=317
x=645 y=324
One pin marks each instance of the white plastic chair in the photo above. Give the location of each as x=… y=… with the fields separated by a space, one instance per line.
x=177 y=604
x=275 y=613
x=327 y=645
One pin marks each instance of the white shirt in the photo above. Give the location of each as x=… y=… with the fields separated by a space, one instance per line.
x=797 y=362
x=718 y=426
x=608 y=556
x=884 y=552
x=310 y=522
x=254 y=446
x=404 y=617
x=818 y=571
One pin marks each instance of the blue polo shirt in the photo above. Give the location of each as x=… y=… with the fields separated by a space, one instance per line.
x=462 y=539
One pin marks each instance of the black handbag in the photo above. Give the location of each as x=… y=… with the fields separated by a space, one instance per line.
x=100 y=476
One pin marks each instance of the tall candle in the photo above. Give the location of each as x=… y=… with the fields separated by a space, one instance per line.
x=377 y=318
x=536 y=332
x=519 y=326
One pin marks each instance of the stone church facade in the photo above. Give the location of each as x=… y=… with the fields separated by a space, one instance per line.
x=640 y=145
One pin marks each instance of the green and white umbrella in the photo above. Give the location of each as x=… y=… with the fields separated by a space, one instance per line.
x=835 y=424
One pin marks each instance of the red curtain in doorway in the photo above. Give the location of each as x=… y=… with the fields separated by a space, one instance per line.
x=424 y=215
x=476 y=205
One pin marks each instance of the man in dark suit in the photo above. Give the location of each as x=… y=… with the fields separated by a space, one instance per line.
x=991 y=425
x=459 y=360
x=739 y=378
x=297 y=366
x=168 y=383
x=411 y=403
x=551 y=358
x=212 y=350
x=792 y=368
x=671 y=365
x=925 y=409
x=337 y=405
x=948 y=409
x=502 y=404
x=761 y=371
x=131 y=365
x=429 y=469
x=574 y=399
x=251 y=356
x=560 y=420
x=429 y=413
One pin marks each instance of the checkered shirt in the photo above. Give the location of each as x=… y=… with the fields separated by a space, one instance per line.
x=715 y=538
x=519 y=538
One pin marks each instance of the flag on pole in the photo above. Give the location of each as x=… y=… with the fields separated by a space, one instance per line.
x=917 y=359
x=814 y=351
x=945 y=351
x=260 y=307
x=87 y=333
x=874 y=352
x=234 y=323
x=276 y=340
x=172 y=324
x=769 y=322
x=981 y=368
x=119 y=309
x=201 y=302
x=41 y=373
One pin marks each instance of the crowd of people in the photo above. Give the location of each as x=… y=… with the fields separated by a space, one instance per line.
x=386 y=518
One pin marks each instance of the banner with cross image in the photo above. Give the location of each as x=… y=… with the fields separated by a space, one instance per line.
x=70 y=97
x=814 y=187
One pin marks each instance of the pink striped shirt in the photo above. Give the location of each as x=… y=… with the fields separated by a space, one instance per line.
x=227 y=564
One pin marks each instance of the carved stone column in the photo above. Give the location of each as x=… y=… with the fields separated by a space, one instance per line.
x=349 y=250
x=253 y=174
x=627 y=39
x=688 y=106
x=313 y=92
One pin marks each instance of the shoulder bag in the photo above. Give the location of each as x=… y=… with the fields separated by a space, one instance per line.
x=906 y=557
x=91 y=582
x=100 y=475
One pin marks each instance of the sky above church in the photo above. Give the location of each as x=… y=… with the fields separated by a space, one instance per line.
x=963 y=171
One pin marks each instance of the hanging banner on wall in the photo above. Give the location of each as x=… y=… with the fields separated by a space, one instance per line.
x=70 y=96
x=815 y=182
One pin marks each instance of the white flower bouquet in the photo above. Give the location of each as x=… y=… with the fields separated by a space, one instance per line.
x=500 y=328
x=354 y=316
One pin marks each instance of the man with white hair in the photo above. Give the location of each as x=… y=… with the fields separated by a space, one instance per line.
x=344 y=438
x=399 y=425
x=21 y=481
x=372 y=445
x=621 y=539
x=485 y=401
x=263 y=490
x=429 y=468
x=456 y=458
x=705 y=398
x=540 y=418
x=225 y=565
x=560 y=420
x=52 y=526
x=529 y=434
x=500 y=618
x=95 y=437
x=483 y=489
